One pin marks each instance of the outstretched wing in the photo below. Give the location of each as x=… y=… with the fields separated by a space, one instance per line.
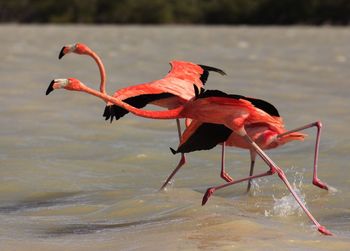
x=191 y=72
x=177 y=83
x=204 y=136
x=258 y=103
x=116 y=112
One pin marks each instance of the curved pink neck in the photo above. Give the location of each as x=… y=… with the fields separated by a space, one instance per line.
x=170 y=114
x=101 y=68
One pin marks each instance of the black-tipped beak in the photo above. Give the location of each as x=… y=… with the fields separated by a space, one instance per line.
x=50 y=88
x=173 y=151
x=61 y=52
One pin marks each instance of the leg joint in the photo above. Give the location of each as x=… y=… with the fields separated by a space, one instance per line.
x=318 y=124
x=272 y=170
x=280 y=173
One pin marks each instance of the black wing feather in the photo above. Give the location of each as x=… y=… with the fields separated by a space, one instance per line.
x=258 y=103
x=140 y=101
x=206 y=137
x=206 y=70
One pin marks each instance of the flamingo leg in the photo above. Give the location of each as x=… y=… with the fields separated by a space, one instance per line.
x=223 y=173
x=252 y=163
x=315 y=180
x=273 y=169
x=181 y=162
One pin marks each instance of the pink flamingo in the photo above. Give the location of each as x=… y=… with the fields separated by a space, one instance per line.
x=233 y=112
x=173 y=90
x=204 y=136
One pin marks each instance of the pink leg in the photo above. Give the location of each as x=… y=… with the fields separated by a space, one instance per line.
x=211 y=190
x=223 y=173
x=273 y=168
x=181 y=162
x=316 y=181
x=252 y=163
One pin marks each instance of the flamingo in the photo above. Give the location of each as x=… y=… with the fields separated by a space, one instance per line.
x=204 y=136
x=234 y=112
x=173 y=90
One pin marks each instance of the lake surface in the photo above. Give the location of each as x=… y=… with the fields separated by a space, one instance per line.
x=72 y=181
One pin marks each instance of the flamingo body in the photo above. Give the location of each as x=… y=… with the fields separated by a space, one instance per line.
x=204 y=136
x=173 y=90
x=234 y=113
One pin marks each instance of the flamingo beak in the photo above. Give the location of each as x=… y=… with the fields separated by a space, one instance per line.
x=62 y=52
x=50 y=88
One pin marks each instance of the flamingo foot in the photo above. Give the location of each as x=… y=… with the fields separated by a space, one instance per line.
x=226 y=177
x=324 y=230
x=207 y=194
x=320 y=184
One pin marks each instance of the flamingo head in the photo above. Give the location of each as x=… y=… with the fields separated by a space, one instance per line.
x=78 y=48
x=70 y=84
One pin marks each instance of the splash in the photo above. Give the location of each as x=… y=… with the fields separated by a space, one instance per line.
x=287 y=205
x=255 y=187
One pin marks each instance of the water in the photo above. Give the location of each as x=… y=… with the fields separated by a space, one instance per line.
x=71 y=181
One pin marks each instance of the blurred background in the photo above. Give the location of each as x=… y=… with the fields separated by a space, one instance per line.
x=255 y=12
x=71 y=181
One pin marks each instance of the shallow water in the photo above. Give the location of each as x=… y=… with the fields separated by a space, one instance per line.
x=71 y=181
